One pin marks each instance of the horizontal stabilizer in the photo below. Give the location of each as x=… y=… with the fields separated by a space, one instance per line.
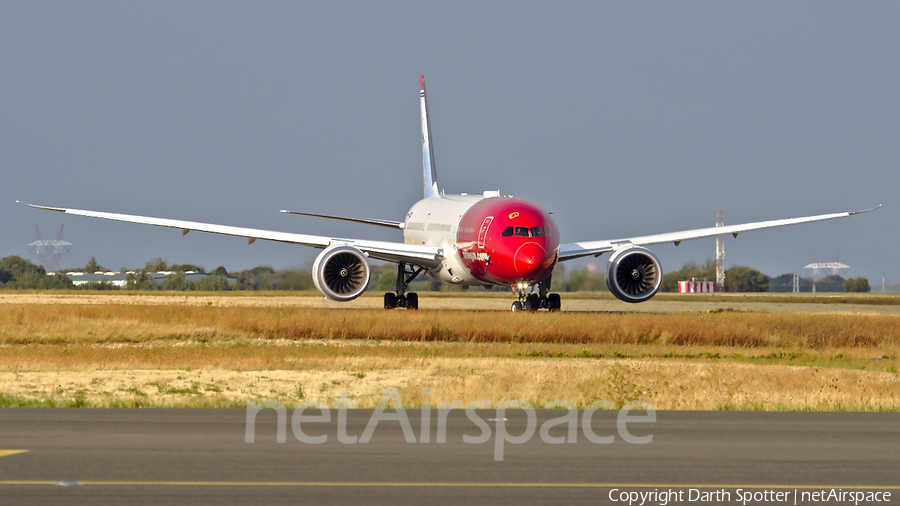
x=367 y=221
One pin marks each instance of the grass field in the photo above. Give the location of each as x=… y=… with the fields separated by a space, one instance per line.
x=78 y=349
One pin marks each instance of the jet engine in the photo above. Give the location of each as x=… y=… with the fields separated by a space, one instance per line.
x=341 y=273
x=633 y=274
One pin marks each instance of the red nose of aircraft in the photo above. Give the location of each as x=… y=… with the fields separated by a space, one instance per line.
x=528 y=258
x=508 y=241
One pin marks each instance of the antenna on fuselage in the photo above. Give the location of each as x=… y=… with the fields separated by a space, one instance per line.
x=429 y=172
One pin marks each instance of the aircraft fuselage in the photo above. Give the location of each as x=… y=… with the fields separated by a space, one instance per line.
x=486 y=240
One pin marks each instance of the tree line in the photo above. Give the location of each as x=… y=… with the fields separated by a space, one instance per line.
x=20 y=273
x=746 y=279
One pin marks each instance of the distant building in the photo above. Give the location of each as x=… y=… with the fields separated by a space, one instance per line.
x=696 y=286
x=120 y=278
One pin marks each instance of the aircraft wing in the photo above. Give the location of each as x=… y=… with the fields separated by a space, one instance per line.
x=581 y=249
x=425 y=256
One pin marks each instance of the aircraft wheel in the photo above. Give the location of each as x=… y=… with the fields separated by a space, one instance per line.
x=517 y=306
x=412 y=301
x=532 y=302
x=555 y=302
x=390 y=300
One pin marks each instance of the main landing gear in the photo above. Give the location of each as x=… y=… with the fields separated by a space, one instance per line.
x=534 y=301
x=405 y=275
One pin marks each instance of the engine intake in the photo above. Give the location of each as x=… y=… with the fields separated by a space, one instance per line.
x=633 y=274
x=341 y=273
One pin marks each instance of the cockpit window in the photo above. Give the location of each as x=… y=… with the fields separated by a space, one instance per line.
x=523 y=232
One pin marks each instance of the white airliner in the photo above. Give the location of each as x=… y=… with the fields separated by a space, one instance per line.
x=476 y=239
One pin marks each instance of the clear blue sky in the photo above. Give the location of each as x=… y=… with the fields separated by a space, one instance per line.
x=623 y=118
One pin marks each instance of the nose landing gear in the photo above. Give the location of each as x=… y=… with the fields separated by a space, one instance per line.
x=404 y=299
x=534 y=301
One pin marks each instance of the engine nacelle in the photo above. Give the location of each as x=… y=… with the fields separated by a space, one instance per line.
x=341 y=273
x=633 y=274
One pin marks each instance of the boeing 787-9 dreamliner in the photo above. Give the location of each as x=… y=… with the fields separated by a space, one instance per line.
x=485 y=239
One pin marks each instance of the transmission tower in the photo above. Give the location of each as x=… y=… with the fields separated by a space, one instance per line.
x=816 y=266
x=720 y=253
x=56 y=247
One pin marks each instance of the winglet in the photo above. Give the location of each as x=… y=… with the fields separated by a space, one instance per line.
x=851 y=213
x=59 y=209
x=429 y=172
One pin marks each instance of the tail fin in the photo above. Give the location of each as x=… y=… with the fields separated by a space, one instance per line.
x=431 y=184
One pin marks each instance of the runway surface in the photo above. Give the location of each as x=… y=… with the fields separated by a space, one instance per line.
x=473 y=302
x=158 y=456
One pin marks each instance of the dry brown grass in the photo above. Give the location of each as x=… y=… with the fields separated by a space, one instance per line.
x=241 y=354
x=666 y=384
x=185 y=353
x=119 y=323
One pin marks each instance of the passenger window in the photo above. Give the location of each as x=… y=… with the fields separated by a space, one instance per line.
x=537 y=231
x=521 y=231
x=508 y=231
